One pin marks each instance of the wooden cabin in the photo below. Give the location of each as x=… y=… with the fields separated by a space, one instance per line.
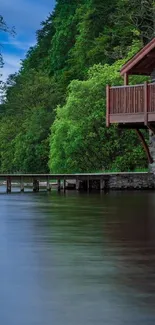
x=134 y=106
x=129 y=105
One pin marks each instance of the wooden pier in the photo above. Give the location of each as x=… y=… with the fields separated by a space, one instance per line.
x=77 y=182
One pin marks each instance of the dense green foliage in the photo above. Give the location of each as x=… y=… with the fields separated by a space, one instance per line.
x=53 y=114
x=79 y=139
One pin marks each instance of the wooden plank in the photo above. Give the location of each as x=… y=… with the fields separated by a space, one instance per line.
x=127 y=118
x=123 y=108
x=145 y=103
x=128 y=102
x=138 y=57
x=126 y=79
x=151 y=97
x=151 y=117
x=108 y=105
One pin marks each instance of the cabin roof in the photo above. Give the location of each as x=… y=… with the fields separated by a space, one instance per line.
x=143 y=62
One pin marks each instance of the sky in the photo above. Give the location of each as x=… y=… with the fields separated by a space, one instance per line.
x=25 y=16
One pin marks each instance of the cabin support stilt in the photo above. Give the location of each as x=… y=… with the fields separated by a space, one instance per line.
x=145 y=146
x=151 y=128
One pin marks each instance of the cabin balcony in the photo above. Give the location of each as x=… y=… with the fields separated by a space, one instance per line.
x=131 y=106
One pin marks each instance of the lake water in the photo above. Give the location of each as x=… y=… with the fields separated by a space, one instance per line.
x=77 y=259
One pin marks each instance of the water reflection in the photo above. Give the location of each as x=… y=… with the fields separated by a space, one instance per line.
x=77 y=258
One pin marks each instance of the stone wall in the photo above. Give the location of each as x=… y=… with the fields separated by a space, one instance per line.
x=152 y=137
x=125 y=181
x=152 y=150
x=131 y=181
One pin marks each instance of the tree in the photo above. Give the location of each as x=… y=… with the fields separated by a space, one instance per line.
x=80 y=141
x=8 y=131
x=78 y=51
x=30 y=102
x=31 y=149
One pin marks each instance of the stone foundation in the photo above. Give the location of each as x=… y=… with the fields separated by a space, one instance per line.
x=152 y=151
x=125 y=181
x=137 y=181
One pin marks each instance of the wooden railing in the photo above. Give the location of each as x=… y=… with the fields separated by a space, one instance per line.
x=126 y=100
x=151 y=97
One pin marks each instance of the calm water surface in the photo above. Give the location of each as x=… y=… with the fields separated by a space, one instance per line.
x=77 y=259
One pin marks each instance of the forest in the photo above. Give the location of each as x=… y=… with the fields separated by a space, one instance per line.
x=52 y=113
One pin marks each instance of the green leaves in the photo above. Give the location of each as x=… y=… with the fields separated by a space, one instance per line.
x=80 y=48
x=31 y=144
x=80 y=141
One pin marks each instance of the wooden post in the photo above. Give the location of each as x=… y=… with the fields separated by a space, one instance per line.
x=59 y=185
x=126 y=79
x=8 y=185
x=35 y=185
x=64 y=185
x=21 y=184
x=88 y=184
x=102 y=184
x=126 y=82
x=48 y=185
x=77 y=184
x=108 y=106
x=145 y=146
x=146 y=103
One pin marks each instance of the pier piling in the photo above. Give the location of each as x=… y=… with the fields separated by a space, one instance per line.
x=8 y=185
x=35 y=185
x=48 y=185
x=21 y=185
x=59 y=185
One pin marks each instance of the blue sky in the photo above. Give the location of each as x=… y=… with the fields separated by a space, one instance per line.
x=26 y=16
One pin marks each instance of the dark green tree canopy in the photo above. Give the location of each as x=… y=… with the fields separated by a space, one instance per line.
x=53 y=114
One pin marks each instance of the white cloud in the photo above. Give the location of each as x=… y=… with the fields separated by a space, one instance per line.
x=12 y=60
x=26 y=16
x=13 y=52
x=24 y=46
x=12 y=65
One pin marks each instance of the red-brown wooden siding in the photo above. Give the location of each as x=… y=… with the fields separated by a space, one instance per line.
x=131 y=104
